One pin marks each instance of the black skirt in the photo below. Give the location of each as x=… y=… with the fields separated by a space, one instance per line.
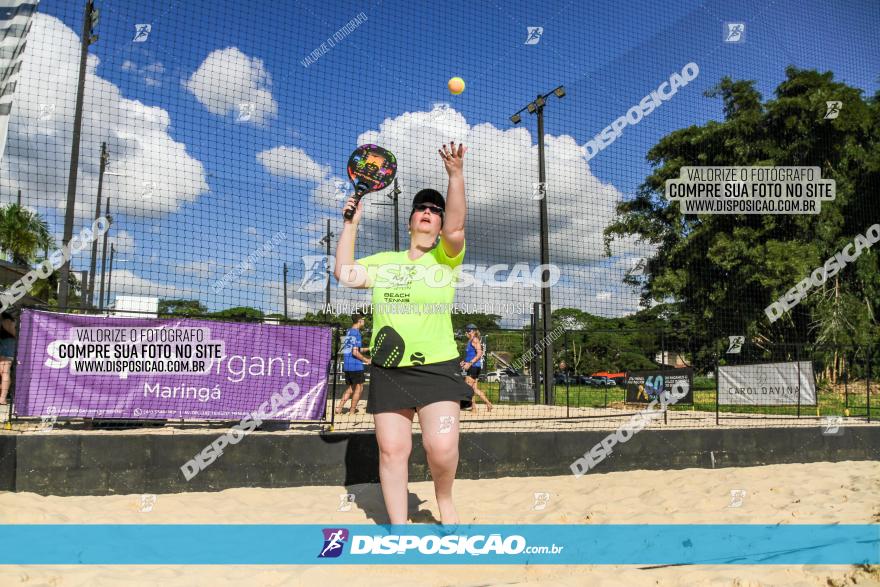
x=415 y=386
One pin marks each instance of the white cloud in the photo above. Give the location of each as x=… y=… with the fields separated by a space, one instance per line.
x=38 y=153
x=501 y=167
x=297 y=308
x=292 y=162
x=124 y=282
x=150 y=73
x=228 y=78
x=503 y=218
x=123 y=242
x=199 y=269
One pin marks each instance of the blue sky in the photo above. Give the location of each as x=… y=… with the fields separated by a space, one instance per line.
x=608 y=56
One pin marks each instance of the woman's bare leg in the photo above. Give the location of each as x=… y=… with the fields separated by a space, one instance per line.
x=479 y=392
x=439 y=423
x=358 y=390
x=470 y=383
x=473 y=385
x=344 y=399
x=5 y=379
x=394 y=436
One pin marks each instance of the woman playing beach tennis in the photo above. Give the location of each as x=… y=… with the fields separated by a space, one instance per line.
x=473 y=362
x=415 y=358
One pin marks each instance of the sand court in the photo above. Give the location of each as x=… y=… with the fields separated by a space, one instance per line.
x=814 y=493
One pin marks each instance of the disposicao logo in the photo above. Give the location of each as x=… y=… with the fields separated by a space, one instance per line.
x=334 y=540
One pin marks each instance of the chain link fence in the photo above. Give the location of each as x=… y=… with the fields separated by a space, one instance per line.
x=187 y=162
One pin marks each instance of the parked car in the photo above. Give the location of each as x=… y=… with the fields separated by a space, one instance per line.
x=601 y=381
x=563 y=378
x=558 y=378
x=584 y=380
x=494 y=376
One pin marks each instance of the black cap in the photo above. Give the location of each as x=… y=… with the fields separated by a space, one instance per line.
x=470 y=327
x=430 y=196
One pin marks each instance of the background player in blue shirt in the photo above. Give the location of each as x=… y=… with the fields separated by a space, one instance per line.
x=353 y=364
x=473 y=362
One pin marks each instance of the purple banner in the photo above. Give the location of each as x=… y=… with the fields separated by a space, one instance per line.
x=79 y=366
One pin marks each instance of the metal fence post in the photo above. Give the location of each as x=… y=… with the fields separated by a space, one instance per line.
x=335 y=358
x=664 y=363
x=564 y=374
x=797 y=359
x=533 y=363
x=868 y=385
x=717 y=389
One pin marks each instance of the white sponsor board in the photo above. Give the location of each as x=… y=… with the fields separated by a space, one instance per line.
x=767 y=384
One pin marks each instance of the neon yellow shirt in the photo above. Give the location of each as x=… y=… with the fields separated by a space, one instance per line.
x=412 y=307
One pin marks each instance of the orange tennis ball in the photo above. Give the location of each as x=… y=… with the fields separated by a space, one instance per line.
x=456 y=85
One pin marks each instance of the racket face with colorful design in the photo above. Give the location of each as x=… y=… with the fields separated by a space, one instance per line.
x=370 y=169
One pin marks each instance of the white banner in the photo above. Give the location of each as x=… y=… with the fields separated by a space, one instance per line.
x=767 y=384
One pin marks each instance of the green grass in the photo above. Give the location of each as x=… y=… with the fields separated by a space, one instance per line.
x=830 y=403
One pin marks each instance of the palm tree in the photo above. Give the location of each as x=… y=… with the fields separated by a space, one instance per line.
x=23 y=234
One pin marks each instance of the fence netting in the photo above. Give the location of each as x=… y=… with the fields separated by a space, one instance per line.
x=196 y=174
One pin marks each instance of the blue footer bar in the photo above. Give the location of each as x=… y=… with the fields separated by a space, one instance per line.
x=252 y=544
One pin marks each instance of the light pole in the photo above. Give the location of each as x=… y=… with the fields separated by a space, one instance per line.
x=538 y=107
x=396 y=201
x=90 y=19
x=92 y=265
x=110 y=274
x=104 y=256
x=285 y=291
x=327 y=240
x=83 y=289
x=104 y=246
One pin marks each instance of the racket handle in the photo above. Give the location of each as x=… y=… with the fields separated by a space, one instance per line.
x=349 y=212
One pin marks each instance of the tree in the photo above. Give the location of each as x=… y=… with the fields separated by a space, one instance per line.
x=483 y=322
x=576 y=357
x=181 y=308
x=281 y=318
x=242 y=313
x=593 y=343
x=341 y=320
x=721 y=271
x=23 y=234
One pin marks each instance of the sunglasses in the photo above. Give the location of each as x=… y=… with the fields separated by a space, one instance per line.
x=436 y=210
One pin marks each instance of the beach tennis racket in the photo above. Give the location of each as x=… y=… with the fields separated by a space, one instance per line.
x=370 y=169
x=388 y=348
